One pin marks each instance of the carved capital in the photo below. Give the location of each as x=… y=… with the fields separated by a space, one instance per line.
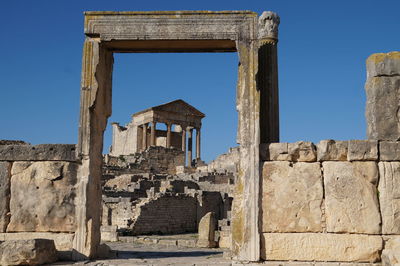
x=268 y=24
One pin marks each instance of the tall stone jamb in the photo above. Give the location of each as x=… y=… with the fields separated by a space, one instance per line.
x=95 y=107
x=246 y=204
x=383 y=96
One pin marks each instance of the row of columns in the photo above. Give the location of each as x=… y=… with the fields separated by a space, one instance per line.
x=153 y=139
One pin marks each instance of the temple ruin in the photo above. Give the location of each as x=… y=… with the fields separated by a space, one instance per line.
x=181 y=120
x=331 y=203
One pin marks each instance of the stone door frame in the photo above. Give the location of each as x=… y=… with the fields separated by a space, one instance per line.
x=179 y=31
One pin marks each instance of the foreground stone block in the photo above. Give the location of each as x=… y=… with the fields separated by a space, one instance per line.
x=292 y=197
x=321 y=247
x=351 y=203
x=391 y=253
x=28 y=252
x=363 y=150
x=389 y=196
x=302 y=151
x=207 y=228
x=42 y=197
x=274 y=152
x=5 y=173
x=389 y=150
x=331 y=150
x=62 y=241
x=42 y=152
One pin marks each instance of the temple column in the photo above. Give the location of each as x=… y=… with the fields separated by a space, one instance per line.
x=190 y=147
x=153 y=134
x=198 y=144
x=169 y=135
x=184 y=143
x=144 y=137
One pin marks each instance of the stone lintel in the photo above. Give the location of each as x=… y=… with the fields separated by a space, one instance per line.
x=41 y=152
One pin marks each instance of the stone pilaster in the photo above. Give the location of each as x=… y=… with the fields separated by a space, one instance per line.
x=267 y=78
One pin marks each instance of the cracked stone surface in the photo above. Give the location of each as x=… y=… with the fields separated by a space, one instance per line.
x=351 y=202
x=292 y=197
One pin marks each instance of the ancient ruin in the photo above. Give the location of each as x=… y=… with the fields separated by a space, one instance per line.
x=334 y=202
x=178 y=116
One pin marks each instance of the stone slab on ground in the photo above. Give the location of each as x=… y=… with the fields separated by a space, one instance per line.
x=42 y=197
x=62 y=241
x=41 y=152
x=389 y=196
x=28 y=252
x=292 y=197
x=351 y=202
x=321 y=247
x=5 y=176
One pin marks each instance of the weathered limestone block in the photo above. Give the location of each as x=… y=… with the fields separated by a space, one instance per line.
x=225 y=239
x=274 y=152
x=109 y=233
x=382 y=64
x=321 y=247
x=207 y=228
x=292 y=197
x=42 y=197
x=391 y=253
x=28 y=252
x=382 y=88
x=62 y=241
x=389 y=150
x=389 y=196
x=5 y=173
x=42 y=152
x=363 y=150
x=302 y=151
x=332 y=150
x=351 y=204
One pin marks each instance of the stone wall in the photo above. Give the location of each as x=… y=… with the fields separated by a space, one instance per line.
x=334 y=201
x=37 y=188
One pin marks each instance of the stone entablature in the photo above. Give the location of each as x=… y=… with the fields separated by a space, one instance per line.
x=180 y=118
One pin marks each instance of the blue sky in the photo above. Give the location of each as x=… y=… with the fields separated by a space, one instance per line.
x=323 y=46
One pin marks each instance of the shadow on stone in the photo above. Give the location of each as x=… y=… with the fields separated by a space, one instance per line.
x=163 y=254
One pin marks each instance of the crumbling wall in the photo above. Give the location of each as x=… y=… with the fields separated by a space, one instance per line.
x=227 y=162
x=37 y=188
x=124 y=140
x=157 y=160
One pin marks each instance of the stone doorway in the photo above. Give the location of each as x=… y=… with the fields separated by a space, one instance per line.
x=180 y=31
